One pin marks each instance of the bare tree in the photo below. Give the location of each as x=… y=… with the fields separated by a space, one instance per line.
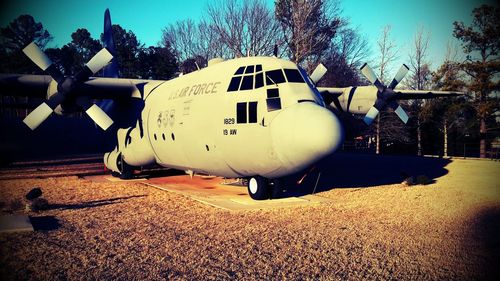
x=387 y=55
x=351 y=46
x=418 y=60
x=308 y=28
x=182 y=36
x=244 y=28
x=347 y=52
x=193 y=42
x=420 y=76
x=210 y=45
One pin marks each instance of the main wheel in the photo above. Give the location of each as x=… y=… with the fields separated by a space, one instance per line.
x=258 y=188
x=126 y=171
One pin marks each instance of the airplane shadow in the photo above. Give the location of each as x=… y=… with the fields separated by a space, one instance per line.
x=160 y=172
x=351 y=170
x=91 y=204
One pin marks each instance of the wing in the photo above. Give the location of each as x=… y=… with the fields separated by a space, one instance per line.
x=37 y=86
x=368 y=100
x=425 y=94
x=34 y=86
x=76 y=91
x=45 y=87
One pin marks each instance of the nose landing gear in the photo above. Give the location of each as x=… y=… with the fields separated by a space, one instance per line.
x=260 y=188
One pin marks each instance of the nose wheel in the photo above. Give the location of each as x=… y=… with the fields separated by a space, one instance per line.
x=260 y=188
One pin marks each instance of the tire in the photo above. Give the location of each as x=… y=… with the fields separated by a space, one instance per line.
x=126 y=171
x=258 y=188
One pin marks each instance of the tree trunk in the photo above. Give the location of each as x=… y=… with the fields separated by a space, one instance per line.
x=419 y=138
x=377 y=148
x=482 y=136
x=445 y=131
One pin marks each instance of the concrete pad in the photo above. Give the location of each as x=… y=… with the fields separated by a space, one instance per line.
x=15 y=223
x=218 y=192
x=215 y=191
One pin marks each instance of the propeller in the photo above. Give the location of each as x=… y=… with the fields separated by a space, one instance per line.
x=318 y=73
x=385 y=95
x=66 y=86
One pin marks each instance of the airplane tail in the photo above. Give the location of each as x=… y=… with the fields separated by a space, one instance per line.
x=111 y=70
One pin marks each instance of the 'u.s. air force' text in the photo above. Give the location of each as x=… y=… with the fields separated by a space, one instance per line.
x=198 y=89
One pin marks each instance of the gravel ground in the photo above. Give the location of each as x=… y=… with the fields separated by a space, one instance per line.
x=447 y=230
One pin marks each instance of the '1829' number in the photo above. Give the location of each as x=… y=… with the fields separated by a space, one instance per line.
x=228 y=121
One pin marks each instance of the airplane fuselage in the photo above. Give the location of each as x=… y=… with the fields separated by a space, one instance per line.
x=238 y=118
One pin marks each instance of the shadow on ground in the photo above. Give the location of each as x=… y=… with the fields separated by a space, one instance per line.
x=351 y=170
x=91 y=204
x=45 y=223
x=484 y=241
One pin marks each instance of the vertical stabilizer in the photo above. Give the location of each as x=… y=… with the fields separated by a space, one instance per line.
x=112 y=69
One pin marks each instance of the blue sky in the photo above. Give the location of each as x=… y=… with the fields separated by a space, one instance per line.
x=146 y=18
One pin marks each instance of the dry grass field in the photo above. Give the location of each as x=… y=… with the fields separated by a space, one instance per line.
x=446 y=230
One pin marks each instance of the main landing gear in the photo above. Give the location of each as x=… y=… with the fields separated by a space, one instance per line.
x=126 y=170
x=260 y=188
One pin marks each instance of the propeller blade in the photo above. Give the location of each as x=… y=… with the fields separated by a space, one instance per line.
x=99 y=117
x=371 y=115
x=318 y=73
x=370 y=75
x=37 y=116
x=95 y=113
x=36 y=55
x=399 y=76
x=100 y=60
x=400 y=112
x=96 y=63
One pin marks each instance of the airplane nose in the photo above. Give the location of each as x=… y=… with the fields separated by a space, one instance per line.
x=305 y=133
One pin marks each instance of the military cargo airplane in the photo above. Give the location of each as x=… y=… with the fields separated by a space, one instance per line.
x=257 y=118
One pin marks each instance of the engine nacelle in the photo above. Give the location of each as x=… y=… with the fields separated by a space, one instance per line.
x=137 y=151
x=111 y=161
x=358 y=100
x=132 y=150
x=66 y=107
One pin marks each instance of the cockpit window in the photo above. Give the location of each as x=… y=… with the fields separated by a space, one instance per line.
x=274 y=77
x=245 y=81
x=293 y=76
x=259 y=80
x=234 y=84
x=239 y=71
x=252 y=77
x=249 y=69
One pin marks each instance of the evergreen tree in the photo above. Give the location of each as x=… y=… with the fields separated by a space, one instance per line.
x=481 y=43
x=14 y=37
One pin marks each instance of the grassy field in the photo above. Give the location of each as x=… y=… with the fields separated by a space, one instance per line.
x=447 y=230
